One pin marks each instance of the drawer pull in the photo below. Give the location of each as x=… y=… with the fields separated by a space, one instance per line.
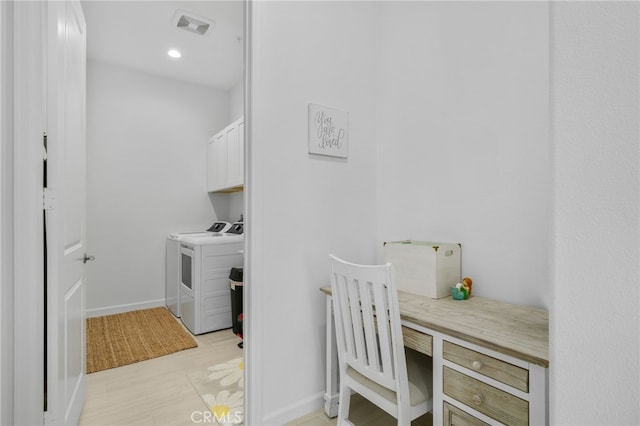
x=477 y=365
x=478 y=399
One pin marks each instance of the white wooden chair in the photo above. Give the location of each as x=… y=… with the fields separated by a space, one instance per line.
x=371 y=353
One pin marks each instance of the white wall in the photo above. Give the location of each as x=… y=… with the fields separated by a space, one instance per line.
x=595 y=323
x=236 y=101
x=463 y=138
x=6 y=213
x=229 y=207
x=464 y=153
x=236 y=206
x=303 y=207
x=146 y=177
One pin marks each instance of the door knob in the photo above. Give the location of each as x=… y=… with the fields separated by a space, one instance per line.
x=88 y=258
x=478 y=399
x=477 y=365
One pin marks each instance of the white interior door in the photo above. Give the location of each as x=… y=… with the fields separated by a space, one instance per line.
x=65 y=216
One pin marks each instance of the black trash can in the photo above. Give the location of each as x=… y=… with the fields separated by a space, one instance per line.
x=235 y=279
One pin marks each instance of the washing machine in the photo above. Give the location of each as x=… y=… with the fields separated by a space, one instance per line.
x=172 y=272
x=205 y=263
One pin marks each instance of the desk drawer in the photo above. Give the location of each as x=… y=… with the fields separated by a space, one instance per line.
x=499 y=370
x=493 y=402
x=417 y=341
x=453 y=416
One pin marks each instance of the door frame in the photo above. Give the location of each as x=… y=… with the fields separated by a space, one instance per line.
x=29 y=122
x=251 y=301
x=6 y=215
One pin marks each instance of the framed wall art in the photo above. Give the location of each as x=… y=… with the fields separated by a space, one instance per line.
x=328 y=131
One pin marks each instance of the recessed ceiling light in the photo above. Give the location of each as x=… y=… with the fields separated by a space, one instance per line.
x=174 y=53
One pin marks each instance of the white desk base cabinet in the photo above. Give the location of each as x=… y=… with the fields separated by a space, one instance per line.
x=490 y=359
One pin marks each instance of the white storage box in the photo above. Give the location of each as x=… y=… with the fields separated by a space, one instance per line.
x=424 y=268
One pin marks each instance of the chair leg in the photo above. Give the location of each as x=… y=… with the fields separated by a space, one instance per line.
x=404 y=415
x=404 y=420
x=343 y=405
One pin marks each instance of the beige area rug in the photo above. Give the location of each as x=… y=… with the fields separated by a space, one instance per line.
x=221 y=387
x=121 y=339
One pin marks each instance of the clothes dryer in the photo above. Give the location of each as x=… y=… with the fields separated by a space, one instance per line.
x=172 y=269
x=205 y=263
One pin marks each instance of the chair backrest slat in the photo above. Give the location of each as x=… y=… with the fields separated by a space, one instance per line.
x=356 y=320
x=368 y=313
x=343 y=312
x=384 y=330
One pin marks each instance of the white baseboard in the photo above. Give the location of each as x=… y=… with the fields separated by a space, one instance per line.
x=295 y=410
x=118 y=309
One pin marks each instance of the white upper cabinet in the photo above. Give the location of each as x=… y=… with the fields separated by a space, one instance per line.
x=235 y=154
x=225 y=159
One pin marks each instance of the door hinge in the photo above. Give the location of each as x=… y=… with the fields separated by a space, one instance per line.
x=49 y=201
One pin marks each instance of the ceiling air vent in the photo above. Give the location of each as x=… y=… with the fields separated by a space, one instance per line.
x=193 y=23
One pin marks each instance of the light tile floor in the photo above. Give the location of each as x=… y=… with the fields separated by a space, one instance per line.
x=158 y=392
x=361 y=413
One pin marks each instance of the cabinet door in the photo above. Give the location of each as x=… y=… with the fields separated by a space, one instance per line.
x=217 y=162
x=235 y=157
x=211 y=161
x=241 y=152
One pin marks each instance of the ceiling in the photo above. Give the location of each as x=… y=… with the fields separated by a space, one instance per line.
x=138 y=34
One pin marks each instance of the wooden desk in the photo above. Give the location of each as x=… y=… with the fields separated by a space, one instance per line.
x=490 y=359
